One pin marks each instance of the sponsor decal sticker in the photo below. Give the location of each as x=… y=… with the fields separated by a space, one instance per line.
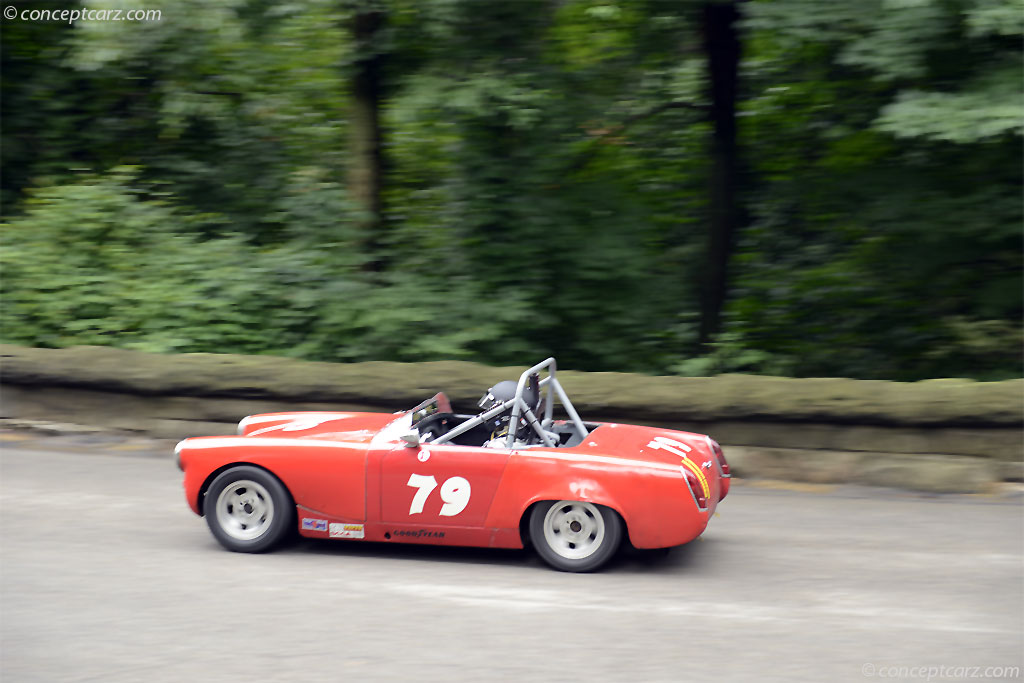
x=314 y=524
x=340 y=530
x=418 y=533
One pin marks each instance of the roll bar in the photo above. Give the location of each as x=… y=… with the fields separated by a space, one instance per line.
x=520 y=408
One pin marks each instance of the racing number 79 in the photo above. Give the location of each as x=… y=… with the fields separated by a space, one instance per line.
x=454 y=492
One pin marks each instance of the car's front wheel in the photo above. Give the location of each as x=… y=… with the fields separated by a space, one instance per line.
x=248 y=509
x=574 y=536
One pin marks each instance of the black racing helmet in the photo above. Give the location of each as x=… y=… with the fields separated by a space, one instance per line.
x=505 y=391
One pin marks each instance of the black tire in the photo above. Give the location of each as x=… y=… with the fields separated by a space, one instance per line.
x=248 y=509
x=573 y=536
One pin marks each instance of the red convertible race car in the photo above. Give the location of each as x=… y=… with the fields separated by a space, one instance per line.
x=508 y=476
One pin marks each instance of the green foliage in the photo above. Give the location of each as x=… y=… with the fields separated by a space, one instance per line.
x=888 y=216
x=546 y=184
x=514 y=170
x=219 y=101
x=98 y=262
x=956 y=117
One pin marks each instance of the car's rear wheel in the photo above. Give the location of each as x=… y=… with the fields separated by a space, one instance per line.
x=574 y=536
x=248 y=509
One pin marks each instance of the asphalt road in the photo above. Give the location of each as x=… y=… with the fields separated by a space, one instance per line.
x=105 y=575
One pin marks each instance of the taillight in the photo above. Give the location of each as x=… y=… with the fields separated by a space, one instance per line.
x=722 y=464
x=696 y=489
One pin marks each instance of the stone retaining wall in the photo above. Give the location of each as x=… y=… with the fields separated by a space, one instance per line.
x=936 y=435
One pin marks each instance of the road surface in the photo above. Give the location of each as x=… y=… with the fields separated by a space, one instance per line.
x=105 y=575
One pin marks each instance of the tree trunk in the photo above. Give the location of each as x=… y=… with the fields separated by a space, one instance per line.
x=722 y=47
x=365 y=174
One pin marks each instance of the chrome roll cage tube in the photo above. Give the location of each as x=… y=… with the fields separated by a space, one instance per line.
x=521 y=409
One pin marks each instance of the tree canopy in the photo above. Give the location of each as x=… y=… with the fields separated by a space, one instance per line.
x=793 y=187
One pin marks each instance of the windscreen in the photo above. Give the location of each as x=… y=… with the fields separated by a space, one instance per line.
x=439 y=403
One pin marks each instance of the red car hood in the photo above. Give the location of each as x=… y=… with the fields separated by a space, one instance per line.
x=350 y=427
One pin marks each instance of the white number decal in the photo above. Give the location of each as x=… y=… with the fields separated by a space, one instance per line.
x=425 y=486
x=670 y=445
x=454 y=492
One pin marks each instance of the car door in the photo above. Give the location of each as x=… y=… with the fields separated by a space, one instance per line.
x=440 y=488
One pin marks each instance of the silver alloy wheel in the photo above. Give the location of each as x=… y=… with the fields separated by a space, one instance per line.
x=245 y=510
x=573 y=529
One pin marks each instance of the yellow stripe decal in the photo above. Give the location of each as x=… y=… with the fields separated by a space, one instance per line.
x=693 y=467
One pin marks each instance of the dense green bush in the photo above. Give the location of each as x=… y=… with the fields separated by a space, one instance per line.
x=98 y=262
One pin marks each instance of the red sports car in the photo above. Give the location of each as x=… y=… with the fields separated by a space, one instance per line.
x=508 y=476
